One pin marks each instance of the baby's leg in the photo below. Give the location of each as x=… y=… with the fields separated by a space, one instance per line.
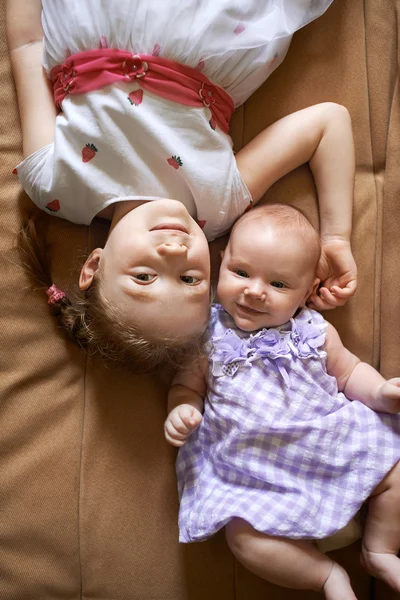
x=381 y=540
x=288 y=563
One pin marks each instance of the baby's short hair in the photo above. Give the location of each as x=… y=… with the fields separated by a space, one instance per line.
x=290 y=218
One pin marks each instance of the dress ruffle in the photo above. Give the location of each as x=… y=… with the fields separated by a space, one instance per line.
x=304 y=338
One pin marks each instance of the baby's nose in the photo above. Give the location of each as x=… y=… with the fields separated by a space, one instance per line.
x=256 y=290
x=171 y=249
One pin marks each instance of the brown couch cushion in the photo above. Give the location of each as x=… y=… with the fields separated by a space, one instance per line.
x=87 y=490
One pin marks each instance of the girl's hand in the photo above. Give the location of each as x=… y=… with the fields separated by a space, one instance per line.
x=389 y=395
x=338 y=274
x=180 y=424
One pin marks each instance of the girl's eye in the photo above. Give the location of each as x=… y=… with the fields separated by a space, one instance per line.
x=241 y=273
x=144 y=277
x=189 y=279
x=277 y=284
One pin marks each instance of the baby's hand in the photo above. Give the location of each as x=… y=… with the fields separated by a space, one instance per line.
x=338 y=273
x=180 y=424
x=389 y=395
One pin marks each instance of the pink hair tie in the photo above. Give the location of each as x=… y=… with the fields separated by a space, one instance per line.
x=54 y=294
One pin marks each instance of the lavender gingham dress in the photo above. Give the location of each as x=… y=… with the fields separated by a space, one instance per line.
x=279 y=446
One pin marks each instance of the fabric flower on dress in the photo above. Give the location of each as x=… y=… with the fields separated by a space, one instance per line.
x=229 y=352
x=308 y=338
x=270 y=343
x=230 y=348
x=135 y=67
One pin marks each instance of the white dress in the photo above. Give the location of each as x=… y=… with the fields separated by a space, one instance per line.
x=117 y=143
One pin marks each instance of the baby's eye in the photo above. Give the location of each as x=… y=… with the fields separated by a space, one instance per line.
x=189 y=279
x=144 y=277
x=241 y=273
x=277 y=284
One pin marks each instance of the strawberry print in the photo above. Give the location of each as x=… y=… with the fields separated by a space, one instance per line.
x=136 y=97
x=88 y=152
x=54 y=206
x=213 y=123
x=14 y=171
x=239 y=28
x=200 y=65
x=175 y=162
x=201 y=224
x=156 y=50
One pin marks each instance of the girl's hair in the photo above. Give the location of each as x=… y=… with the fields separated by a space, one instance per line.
x=94 y=324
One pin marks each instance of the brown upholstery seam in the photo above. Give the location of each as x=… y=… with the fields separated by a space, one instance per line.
x=388 y=205
x=376 y=316
x=81 y=462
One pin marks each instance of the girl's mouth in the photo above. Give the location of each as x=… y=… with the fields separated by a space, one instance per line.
x=171 y=227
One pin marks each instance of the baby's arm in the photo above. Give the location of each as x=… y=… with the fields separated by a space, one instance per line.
x=185 y=403
x=322 y=136
x=35 y=98
x=358 y=380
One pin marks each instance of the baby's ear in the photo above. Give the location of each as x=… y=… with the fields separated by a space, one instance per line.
x=311 y=290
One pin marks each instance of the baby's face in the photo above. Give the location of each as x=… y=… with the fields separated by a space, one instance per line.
x=155 y=268
x=265 y=276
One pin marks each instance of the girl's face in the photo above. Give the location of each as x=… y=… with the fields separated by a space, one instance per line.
x=265 y=276
x=155 y=268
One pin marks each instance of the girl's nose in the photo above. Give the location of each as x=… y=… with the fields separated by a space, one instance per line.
x=256 y=290
x=171 y=249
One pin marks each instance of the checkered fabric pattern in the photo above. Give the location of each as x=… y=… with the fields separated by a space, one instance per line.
x=289 y=454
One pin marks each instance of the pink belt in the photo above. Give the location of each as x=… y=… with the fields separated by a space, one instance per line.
x=93 y=69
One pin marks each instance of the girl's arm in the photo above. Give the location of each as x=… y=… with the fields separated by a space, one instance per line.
x=185 y=403
x=358 y=380
x=35 y=98
x=322 y=136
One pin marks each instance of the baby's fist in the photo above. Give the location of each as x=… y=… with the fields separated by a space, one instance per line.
x=390 y=394
x=180 y=424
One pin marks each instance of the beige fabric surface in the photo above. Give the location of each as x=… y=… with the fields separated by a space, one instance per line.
x=88 y=504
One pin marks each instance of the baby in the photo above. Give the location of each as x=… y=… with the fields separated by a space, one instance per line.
x=285 y=432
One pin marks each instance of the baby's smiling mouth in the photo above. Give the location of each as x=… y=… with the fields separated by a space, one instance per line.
x=251 y=311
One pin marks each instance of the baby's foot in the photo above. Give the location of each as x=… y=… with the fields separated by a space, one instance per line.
x=337 y=586
x=385 y=566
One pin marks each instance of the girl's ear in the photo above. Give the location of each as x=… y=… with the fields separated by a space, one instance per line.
x=221 y=254
x=311 y=290
x=89 y=269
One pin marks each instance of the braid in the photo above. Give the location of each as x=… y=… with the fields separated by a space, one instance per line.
x=34 y=255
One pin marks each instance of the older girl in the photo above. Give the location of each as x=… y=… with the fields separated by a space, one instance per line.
x=129 y=121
